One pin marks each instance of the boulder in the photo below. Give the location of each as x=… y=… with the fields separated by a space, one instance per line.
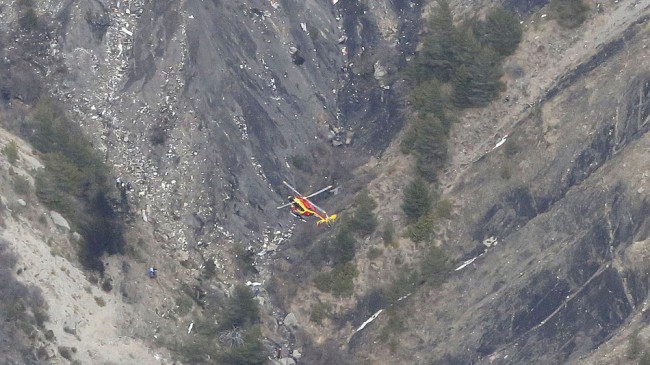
x=290 y=320
x=59 y=221
x=296 y=354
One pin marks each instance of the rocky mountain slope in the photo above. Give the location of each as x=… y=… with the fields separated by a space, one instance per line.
x=550 y=226
x=206 y=106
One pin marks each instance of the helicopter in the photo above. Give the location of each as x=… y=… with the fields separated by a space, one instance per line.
x=302 y=207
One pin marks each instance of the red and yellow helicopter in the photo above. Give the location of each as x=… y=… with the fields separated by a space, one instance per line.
x=302 y=207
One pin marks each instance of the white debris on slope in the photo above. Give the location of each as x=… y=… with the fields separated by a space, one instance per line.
x=372 y=318
x=465 y=263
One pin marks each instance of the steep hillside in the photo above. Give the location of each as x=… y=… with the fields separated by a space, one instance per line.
x=550 y=227
x=67 y=315
x=205 y=107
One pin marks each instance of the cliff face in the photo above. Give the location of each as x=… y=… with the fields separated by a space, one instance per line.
x=208 y=105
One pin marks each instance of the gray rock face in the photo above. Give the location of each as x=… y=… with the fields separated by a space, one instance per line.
x=206 y=108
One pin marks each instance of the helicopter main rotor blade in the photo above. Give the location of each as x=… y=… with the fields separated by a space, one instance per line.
x=292 y=188
x=310 y=195
x=319 y=191
x=285 y=205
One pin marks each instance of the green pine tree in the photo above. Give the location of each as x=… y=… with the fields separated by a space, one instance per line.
x=241 y=310
x=477 y=80
x=417 y=199
x=501 y=31
x=436 y=58
x=365 y=220
x=428 y=98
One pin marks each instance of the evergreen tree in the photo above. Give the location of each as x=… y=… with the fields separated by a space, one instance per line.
x=501 y=31
x=343 y=246
x=467 y=47
x=428 y=98
x=365 y=220
x=241 y=310
x=436 y=57
x=477 y=80
x=435 y=266
x=430 y=146
x=417 y=199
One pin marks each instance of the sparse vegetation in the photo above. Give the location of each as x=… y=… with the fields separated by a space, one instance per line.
x=404 y=283
x=11 y=151
x=634 y=347
x=444 y=209
x=302 y=163
x=49 y=335
x=374 y=253
x=319 y=312
x=158 y=135
x=393 y=326
x=510 y=147
x=434 y=267
x=389 y=234
x=569 y=13
x=100 y=301
x=107 y=284
x=504 y=172
x=637 y=352
x=339 y=281
x=21 y=185
x=421 y=230
x=644 y=359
